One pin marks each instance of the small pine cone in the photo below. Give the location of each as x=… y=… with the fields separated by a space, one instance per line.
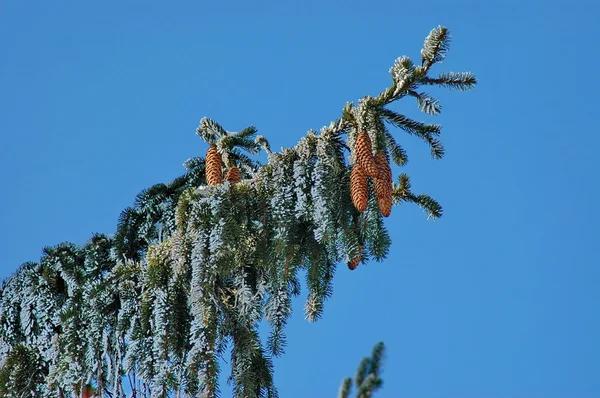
x=364 y=154
x=359 y=190
x=214 y=172
x=356 y=260
x=383 y=185
x=234 y=175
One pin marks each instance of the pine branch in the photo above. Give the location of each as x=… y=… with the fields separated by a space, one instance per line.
x=367 y=378
x=437 y=149
x=461 y=81
x=247 y=132
x=402 y=192
x=345 y=388
x=229 y=257
x=236 y=157
x=436 y=45
x=405 y=77
x=377 y=358
x=277 y=312
x=210 y=131
x=421 y=130
x=193 y=163
x=398 y=154
x=128 y=243
x=426 y=132
x=426 y=103
x=319 y=280
x=371 y=384
x=228 y=142
x=362 y=372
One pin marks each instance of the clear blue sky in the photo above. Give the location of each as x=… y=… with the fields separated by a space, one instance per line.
x=499 y=298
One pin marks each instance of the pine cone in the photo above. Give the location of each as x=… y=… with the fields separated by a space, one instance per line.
x=234 y=175
x=214 y=172
x=383 y=185
x=359 y=191
x=364 y=154
x=356 y=260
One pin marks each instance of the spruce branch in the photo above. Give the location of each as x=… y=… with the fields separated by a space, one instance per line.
x=345 y=388
x=277 y=312
x=398 y=154
x=377 y=358
x=405 y=76
x=362 y=372
x=436 y=148
x=436 y=45
x=229 y=142
x=208 y=264
x=426 y=132
x=426 y=103
x=235 y=157
x=193 y=163
x=371 y=384
x=419 y=129
x=247 y=132
x=402 y=192
x=367 y=379
x=210 y=131
x=461 y=81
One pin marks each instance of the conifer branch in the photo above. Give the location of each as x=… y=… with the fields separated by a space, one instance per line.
x=367 y=379
x=426 y=132
x=247 y=132
x=421 y=130
x=461 y=81
x=345 y=388
x=426 y=103
x=402 y=192
x=209 y=263
x=436 y=45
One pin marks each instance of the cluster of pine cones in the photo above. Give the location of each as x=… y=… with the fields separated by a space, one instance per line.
x=214 y=169
x=378 y=168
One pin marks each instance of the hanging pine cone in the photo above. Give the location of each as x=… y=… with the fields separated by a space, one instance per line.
x=383 y=185
x=356 y=260
x=214 y=172
x=359 y=191
x=234 y=175
x=364 y=154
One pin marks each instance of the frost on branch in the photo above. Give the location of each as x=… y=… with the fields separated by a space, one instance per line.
x=193 y=269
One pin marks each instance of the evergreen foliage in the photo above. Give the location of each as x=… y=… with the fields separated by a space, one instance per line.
x=368 y=375
x=20 y=376
x=193 y=269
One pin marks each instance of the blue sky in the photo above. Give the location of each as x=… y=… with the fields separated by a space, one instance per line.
x=499 y=298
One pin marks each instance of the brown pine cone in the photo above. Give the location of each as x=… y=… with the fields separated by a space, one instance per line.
x=383 y=185
x=356 y=260
x=359 y=191
x=364 y=154
x=234 y=175
x=214 y=171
